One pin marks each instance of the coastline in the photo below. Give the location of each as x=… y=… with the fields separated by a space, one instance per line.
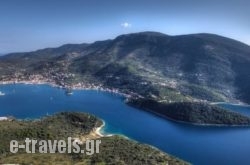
x=94 y=134
x=235 y=104
x=78 y=86
x=97 y=130
x=190 y=123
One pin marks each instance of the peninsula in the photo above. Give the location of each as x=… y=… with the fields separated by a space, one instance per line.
x=192 y=112
x=80 y=126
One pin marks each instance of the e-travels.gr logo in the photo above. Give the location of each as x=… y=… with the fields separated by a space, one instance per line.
x=52 y=146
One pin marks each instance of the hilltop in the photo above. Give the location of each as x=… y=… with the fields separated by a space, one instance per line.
x=167 y=68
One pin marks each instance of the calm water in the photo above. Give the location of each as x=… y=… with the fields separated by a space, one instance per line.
x=198 y=145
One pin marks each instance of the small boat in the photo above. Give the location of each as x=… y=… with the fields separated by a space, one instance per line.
x=69 y=92
x=2 y=94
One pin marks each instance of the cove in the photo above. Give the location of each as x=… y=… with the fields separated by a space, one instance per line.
x=196 y=144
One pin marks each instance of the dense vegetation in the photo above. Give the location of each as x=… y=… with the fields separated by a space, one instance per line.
x=113 y=150
x=197 y=66
x=59 y=126
x=195 y=113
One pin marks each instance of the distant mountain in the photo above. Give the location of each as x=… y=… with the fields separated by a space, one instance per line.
x=153 y=65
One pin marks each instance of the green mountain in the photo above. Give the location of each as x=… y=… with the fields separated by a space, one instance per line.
x=149 y=64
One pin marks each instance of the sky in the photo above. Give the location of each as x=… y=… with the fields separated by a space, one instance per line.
x=27 y=25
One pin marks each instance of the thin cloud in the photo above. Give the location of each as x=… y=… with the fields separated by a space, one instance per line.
x=126 y=25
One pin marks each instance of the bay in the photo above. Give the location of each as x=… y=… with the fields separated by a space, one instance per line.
x=197 y=144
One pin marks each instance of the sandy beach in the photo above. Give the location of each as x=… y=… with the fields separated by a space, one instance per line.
x=97 y=130
x=94 y=134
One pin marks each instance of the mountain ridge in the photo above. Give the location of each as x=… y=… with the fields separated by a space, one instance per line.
x=191 y=67
x=143 y=32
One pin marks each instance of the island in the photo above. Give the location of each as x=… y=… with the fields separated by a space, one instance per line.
x=113 y=149
x=192 y=112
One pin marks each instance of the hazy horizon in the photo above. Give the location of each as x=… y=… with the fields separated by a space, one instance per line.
x=56 y=46
x=30 y=25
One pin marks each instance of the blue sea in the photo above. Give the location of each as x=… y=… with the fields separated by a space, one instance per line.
x=201 y=145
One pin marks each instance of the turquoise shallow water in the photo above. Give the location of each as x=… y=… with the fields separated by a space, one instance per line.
x=196 y=144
